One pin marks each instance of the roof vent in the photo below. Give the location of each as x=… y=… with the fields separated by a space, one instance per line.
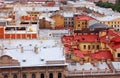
x=44 y=47
x=30 y=44
x=42 y=59
x=5 y=48
x=20 y=44
x=24 y=60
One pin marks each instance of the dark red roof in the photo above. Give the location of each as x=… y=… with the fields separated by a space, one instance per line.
x=112 y=33
x=114 y=45
x=66 y=49
x=87 y=38
x=67 y=38
x=80 y=54
x=105 y=54
x=104 y=39
x=84 y=17
x=116 y=39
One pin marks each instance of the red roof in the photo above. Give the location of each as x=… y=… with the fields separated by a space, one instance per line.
x=87 y=38
x=80 y=53
x=114 y=45
x=84 y=17
x=116 y=39
x=105 y=54
x=112 y=33
x=67 y=38
x=103 y=39
x=66 y=49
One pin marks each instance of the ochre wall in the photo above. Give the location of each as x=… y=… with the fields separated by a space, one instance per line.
x=59 y=20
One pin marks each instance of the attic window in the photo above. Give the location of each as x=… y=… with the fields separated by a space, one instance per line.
x=118 y=54
x=83 y=38
x=98 y=39
x=24 y=60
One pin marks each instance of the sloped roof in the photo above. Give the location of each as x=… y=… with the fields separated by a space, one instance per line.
x=116 y=39
x=104 y=54
x=86 y=38
x=80 y=54
x=83 y=17
x=98 y=25
x=29 y=57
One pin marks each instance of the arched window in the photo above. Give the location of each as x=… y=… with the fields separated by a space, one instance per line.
x=59 y=75
x=24 y=76
x=42 y=75
x=5 y=76
x=15 y=76
x=51 y=75
x=33 y=75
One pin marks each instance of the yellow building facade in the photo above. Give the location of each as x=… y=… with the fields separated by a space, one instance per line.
x=113 y=23
x=59 y=20
x=91 y=46
x=82 y=21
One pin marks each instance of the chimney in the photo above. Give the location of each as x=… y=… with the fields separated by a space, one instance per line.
x=22 y=50
x=36 y=50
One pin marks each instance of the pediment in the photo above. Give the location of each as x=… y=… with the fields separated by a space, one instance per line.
x=6 y=60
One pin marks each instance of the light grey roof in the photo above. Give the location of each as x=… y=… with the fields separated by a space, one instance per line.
x=98 y=25
x=48 y=50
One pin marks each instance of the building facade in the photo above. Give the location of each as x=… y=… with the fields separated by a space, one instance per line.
x=33 y=72
x=82 y=21
x=59 y=20
x=68 y=19
x=112 y=23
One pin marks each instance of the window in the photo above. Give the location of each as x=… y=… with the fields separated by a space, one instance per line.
x=97 y=46
x=82 y=23
x=24 y=76
x=84 y=46
x=88 y=46
x=118 y=54
x=5 y=76
x=59 y=75
x=33 y=76
x=2 y=23
x=15 y=76
x=42 y=75
x=78 y=25
x=93 y=46
x=51 y=75
x=69 y=22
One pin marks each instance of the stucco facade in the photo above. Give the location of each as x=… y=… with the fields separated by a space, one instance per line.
x=59 y=20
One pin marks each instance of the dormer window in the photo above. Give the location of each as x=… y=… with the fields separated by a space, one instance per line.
x=83 y=38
